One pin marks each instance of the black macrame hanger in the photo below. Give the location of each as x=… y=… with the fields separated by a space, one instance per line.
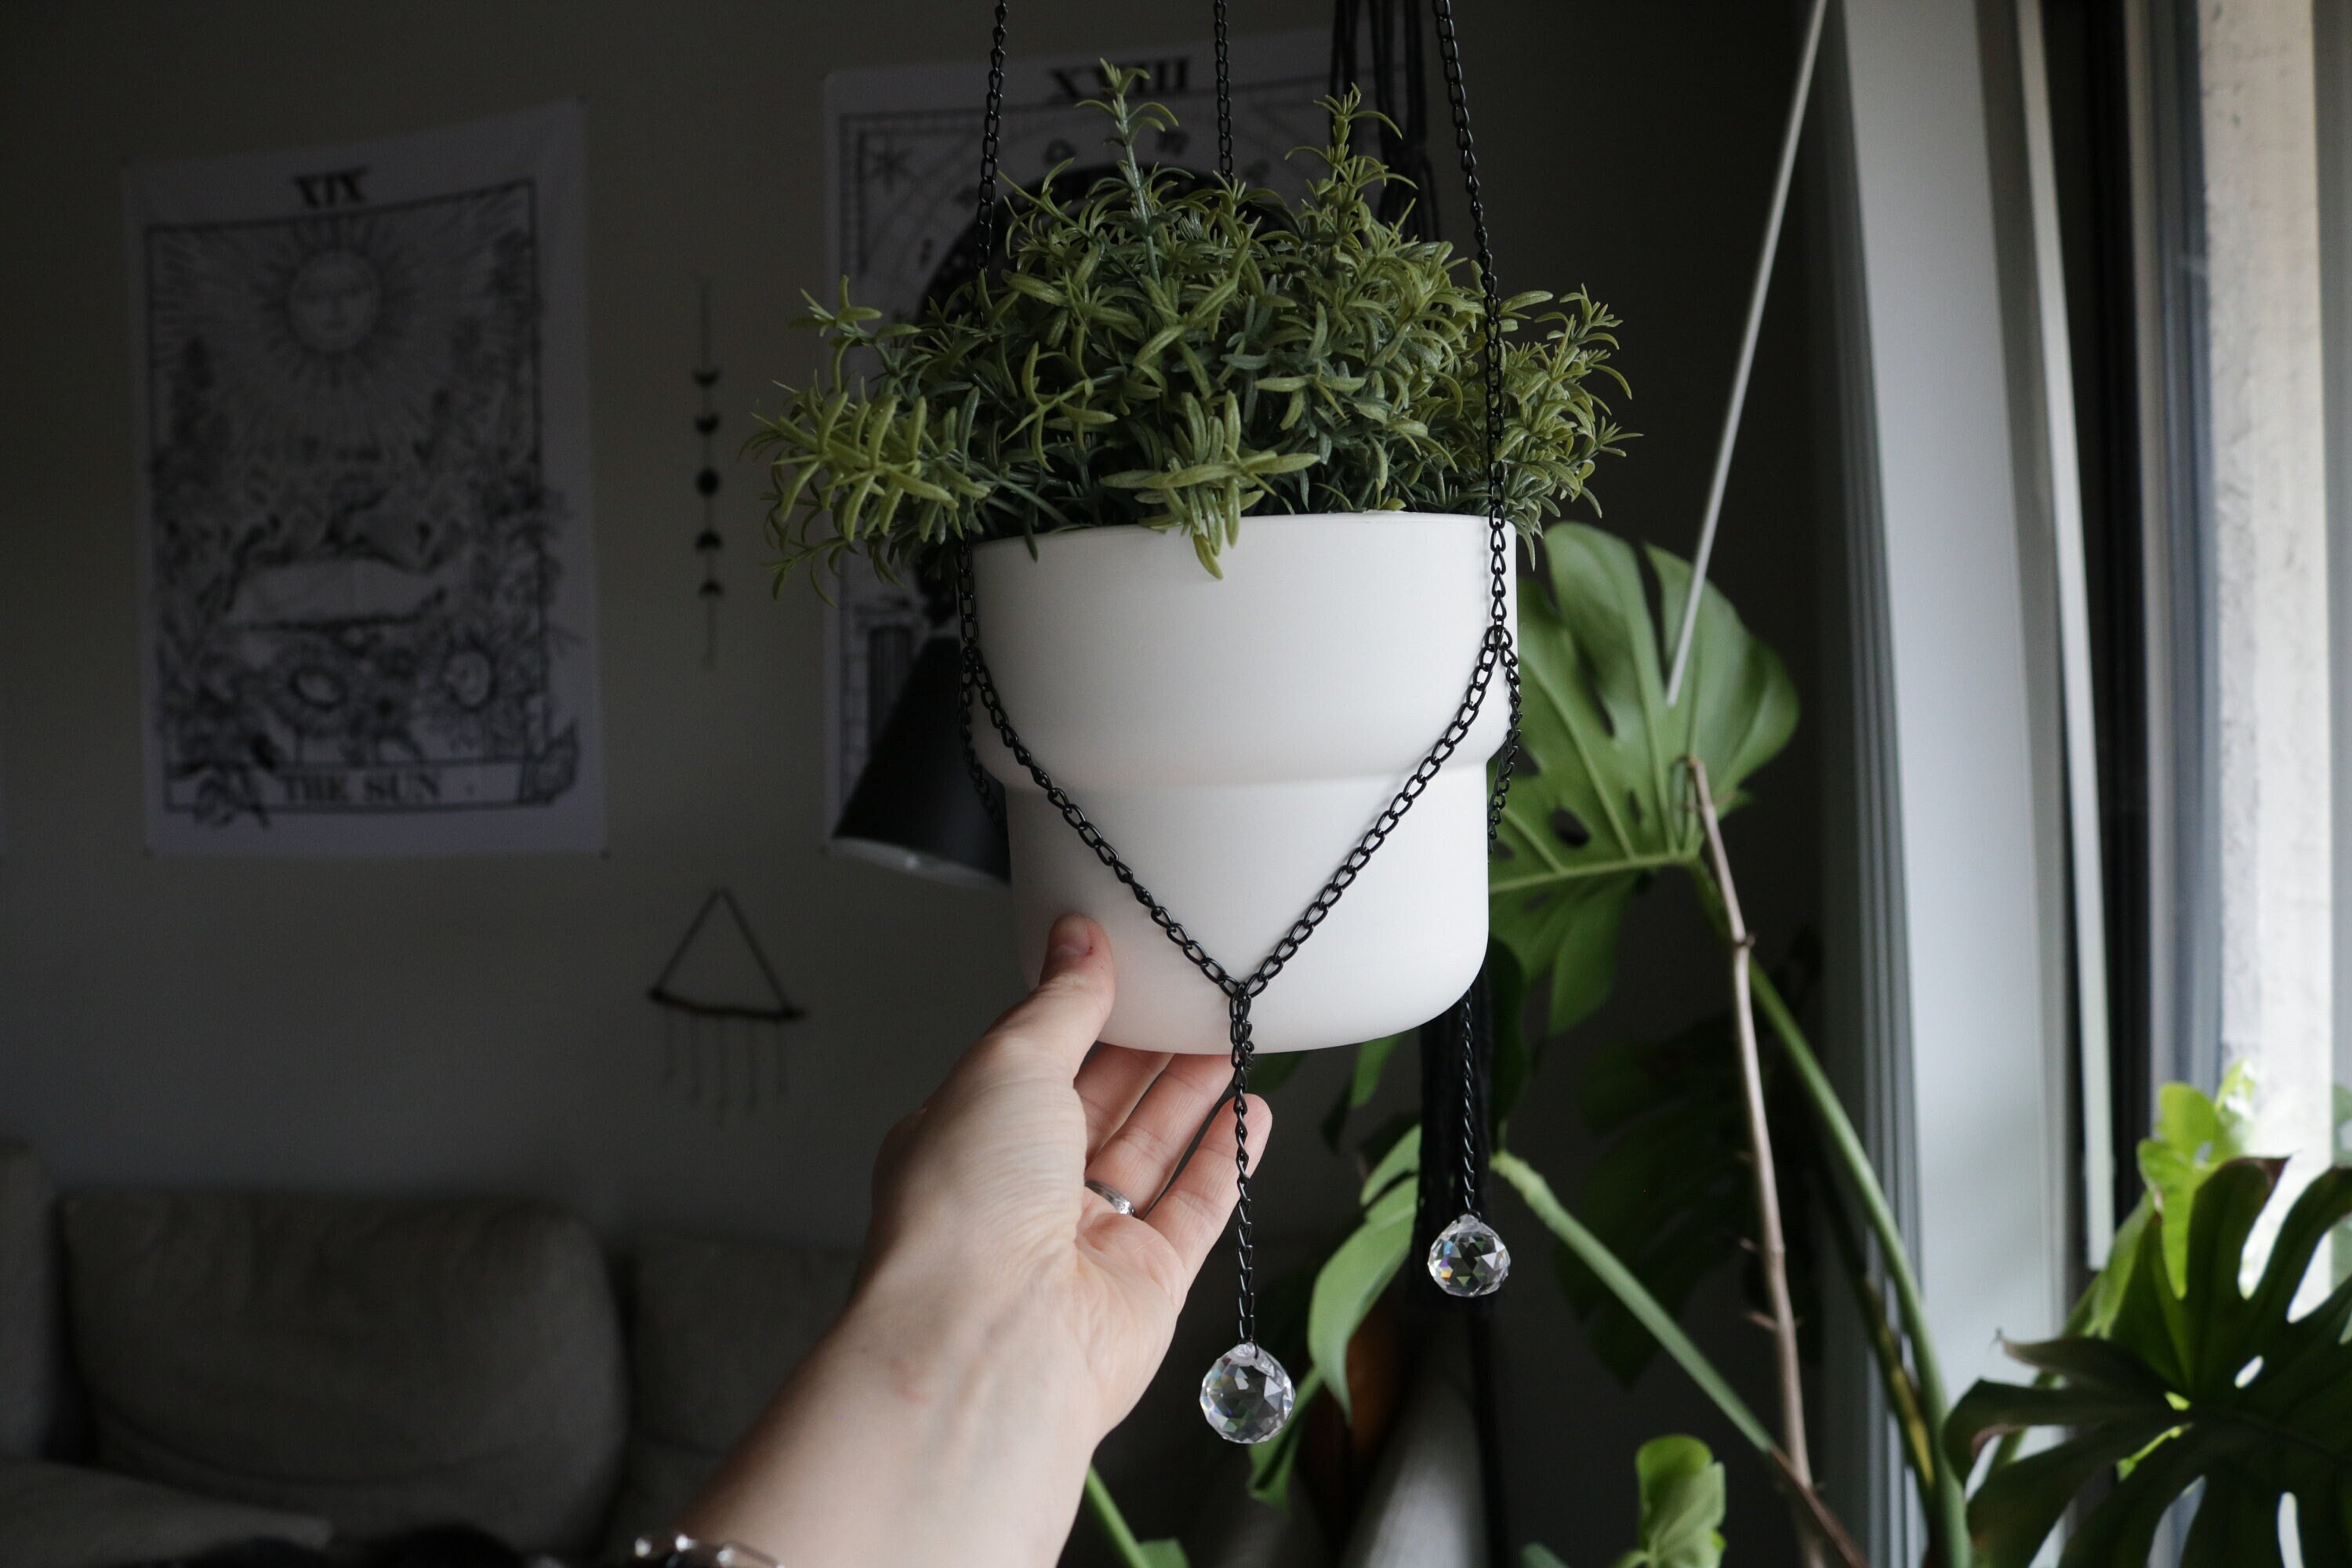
x=1496 y=654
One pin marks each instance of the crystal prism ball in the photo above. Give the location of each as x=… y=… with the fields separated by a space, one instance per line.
x=1468 y=1259
x=1246 y=1396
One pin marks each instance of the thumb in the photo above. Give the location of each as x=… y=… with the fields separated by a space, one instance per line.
x=1064 y=1016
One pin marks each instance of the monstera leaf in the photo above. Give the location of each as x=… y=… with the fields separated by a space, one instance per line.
x=2197 y=1382
x=1352 y=1279
x=1672 y=1191
x=1602 y=797
x=2194 y=1137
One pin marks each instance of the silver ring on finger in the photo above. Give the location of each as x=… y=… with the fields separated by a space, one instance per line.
x=1119 y=1202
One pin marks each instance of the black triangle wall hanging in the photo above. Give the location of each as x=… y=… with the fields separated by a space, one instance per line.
x=723 y=1011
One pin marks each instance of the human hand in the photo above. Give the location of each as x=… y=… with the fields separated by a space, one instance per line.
x=1006 y=1317
x=985 y=1181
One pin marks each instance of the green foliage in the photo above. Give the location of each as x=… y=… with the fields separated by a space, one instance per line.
x=1673 y=1191
x=1362 y=1267
x=1272 y=1461
x=2193 y=1138
x=1176 y=352
x=1516 y=1056
x=1594 y=1255
x=1271 y=1071
x=2199 y=1382
x=1363 y=1082
x=1603 y=800
x=1682 y=1504
x=1132 y=1553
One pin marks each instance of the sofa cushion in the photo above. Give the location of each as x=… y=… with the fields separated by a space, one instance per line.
x=28 y=1348
x=389 y=1364
x=55 y=1516
x=716 y=1328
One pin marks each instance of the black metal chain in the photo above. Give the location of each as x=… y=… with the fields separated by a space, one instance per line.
x=1457 y=99
x=992 y=127
x=1496 y=653
x=1224 y=94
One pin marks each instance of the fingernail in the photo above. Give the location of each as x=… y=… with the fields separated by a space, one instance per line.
x=1069 y=941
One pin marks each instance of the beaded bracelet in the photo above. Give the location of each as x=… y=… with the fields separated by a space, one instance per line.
x=686 y=1552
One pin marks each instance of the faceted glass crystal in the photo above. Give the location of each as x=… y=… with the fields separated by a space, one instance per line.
x=1246 y=1396
x=1468 y=1259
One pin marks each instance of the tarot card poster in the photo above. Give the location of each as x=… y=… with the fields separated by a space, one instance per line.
x=368 y=598
x=903 y=170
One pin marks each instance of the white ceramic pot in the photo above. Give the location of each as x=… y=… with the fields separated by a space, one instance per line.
x=1233 y=740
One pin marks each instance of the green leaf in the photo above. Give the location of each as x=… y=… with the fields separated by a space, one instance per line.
x=1352 y=1279
x=1271 y=1071
x=1273 y=1461
x=1682 y=1504
x=1516 y=1058
x=1671 y=1190
x=1403 y=1158
x=1132 y=1552
x=2343 y=1249
x=2199 y=1382
x=1372 y=1061
x=1538 y=1196
x=1534 y=1556
x=2193 y=1138
x=1608 y=802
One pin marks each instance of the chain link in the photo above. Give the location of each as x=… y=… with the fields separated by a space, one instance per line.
x=1496 y=653
x=1457 y=100
x=992 y=130
x=1224 y=95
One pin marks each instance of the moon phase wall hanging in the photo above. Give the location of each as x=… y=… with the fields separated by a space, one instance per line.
x=708 y=543
x=1247 y=1394
x=723 y=1011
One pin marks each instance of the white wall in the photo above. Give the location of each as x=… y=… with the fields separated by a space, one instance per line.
x=2270 y=568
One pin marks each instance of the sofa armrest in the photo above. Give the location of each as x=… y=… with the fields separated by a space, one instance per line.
x=30 y=1348
x=57 y=1516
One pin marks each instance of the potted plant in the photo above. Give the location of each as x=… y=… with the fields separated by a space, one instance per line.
x=1232 y=703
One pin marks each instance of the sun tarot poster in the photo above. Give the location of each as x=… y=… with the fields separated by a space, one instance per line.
x=368 y=598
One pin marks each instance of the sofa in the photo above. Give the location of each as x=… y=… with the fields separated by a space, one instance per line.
x=183 y=1371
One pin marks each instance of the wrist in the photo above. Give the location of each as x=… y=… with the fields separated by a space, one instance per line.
x=938 y=1421
x=968 y=1348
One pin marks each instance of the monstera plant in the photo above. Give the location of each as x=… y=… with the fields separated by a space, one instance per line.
x=2196 y=1380
x=1604 y=800
x=1616 y=787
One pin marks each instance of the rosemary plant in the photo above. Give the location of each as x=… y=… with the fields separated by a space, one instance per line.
x=1177 y=352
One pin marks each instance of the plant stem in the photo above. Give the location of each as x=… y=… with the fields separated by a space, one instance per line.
x=1886 y=1346
x=1815 y=1519
x=1772 y=1244
x=1114 y=1523
x=1595 y=1255
x=1947 y=1520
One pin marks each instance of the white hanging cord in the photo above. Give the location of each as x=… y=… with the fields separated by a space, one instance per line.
x=1747 y=345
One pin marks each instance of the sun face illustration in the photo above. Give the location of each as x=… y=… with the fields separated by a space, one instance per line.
x=333 y=302
x=343 y=332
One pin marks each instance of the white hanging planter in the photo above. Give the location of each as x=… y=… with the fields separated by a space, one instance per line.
x=1233 y=738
